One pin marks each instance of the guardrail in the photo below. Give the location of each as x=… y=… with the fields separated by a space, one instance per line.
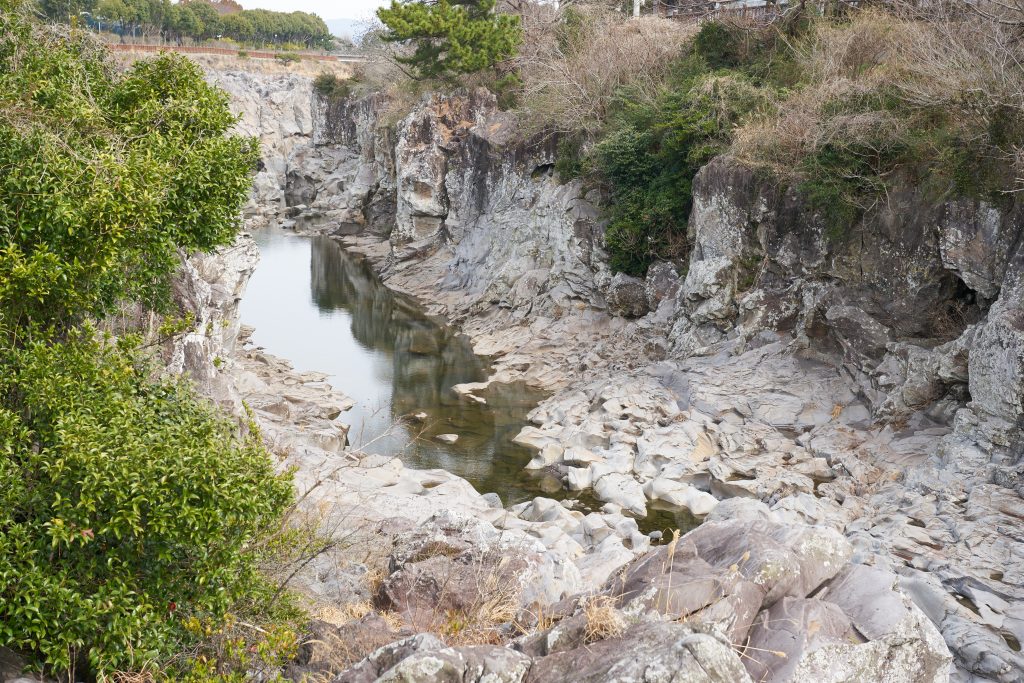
x=251 y=54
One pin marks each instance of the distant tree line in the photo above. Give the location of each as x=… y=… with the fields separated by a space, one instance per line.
x=194 y=19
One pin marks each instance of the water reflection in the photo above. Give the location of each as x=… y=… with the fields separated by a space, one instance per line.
x=324 y=309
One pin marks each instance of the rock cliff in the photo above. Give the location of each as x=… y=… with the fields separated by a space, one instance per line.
x=867 y=381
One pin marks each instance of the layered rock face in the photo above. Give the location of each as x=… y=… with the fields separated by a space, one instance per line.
x=916 y=306
x=274 y=109
x=869 y=382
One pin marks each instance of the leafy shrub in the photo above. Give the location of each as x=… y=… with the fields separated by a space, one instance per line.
x=232 y=653
x=106 y=175
x=330 y=87
x=717 y=45
x=243 y=54
x=653 y=151
x=126 y=506
x=570 y=162
x=288 y=57
x=838 y=179
x=572 y=31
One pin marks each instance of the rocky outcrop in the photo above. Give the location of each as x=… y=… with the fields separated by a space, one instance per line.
x=209 y=288
x=274 y=109
x=744 y=597
x=453 y=175
x=789 y=354
x=868 y=382
x=876 y=307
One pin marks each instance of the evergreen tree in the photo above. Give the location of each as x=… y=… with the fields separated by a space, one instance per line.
x=451 y=37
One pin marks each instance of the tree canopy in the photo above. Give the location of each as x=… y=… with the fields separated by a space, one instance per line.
x=107 y=175
x=195 y=19
x=451 y=37
x=128 y=505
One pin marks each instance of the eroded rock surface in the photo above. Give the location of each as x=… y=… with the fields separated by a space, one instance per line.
x=746 y=597
x=870 y=383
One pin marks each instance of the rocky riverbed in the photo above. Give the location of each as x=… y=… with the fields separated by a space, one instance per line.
x=846 y=414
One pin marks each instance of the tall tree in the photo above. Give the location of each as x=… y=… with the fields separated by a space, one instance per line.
x=451 y=37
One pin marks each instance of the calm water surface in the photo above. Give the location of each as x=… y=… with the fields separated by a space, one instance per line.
x=325 y=309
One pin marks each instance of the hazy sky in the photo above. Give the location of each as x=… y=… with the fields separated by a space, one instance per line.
x=327 y=9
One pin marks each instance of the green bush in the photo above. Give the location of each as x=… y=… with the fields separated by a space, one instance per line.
x=651 y=153
x=330 y=87
x=288 y=57
x=126 y=506
x=717 y=45
x=571 y=31
x=842 y=179
x=570 y=160
x=106 y=174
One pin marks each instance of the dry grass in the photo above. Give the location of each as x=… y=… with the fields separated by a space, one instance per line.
x=468 y=598
x=567 y=83
x=570 y=77
x=374 y=577
x=337 y=651
x=603 y=619
x=950 y=322
x=343 y=614
x=393 y=620
x=965 y=67
x=840 y=63
x=489 y=616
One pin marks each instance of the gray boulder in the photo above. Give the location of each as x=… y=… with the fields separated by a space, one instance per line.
x=627 y=296
x=661 y=283
x=473 y=664
x=385 y=658
x=997 y=364
x=974 y=244
x=860 y=628
x=857 y=331
x=646 y=652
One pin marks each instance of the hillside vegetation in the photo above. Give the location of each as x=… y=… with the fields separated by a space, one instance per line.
x=196 y=20
x=133 y=518
x=844 y=106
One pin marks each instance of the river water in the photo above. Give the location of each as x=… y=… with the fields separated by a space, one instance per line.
x=325 y=310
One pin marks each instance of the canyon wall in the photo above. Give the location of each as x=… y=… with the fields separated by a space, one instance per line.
x=869 y=380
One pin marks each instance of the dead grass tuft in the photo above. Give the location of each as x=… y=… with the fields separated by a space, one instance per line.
x=871 y=83
x=393 y=620
x=603 y=619
x=336 y=651
x=483 y=622
x=577 y=59
x=338 y=615
x=374 y=577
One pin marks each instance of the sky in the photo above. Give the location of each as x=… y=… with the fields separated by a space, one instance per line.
x=327 y=9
